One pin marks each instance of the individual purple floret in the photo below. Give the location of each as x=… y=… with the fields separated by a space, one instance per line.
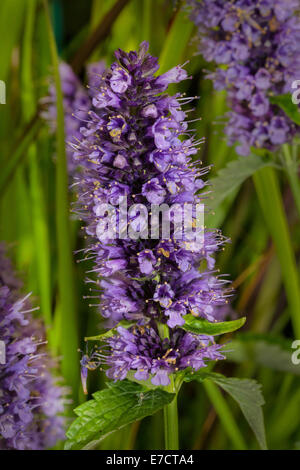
x=94 y=72
x=31 y=401
x=255 y=46
x=137 y=148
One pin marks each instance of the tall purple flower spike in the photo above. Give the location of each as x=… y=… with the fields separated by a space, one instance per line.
x=137 y=144
x=255 y=47
x=30 y=399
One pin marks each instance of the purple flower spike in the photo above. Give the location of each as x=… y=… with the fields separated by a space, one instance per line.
x=30 y=399
x=76 y=103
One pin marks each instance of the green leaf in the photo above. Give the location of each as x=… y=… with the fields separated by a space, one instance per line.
x=113 y=331
x=233 y=175
x=247 y=393
x=113 y=408
x=204 y=327
x=264 y=350
x=286 y=104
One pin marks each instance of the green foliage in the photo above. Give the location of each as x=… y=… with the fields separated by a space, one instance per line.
x=286 y=104
x=116 y=406
x=247 y=393
x=203 y=327
x=269 y=196
x=10 y=31
x=233 y=175
x=28 y=135
x=176 y=42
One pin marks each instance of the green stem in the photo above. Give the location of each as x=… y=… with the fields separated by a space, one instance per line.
x=171 y=421
x=170 y=411
x=292 y=171
x=270 y=200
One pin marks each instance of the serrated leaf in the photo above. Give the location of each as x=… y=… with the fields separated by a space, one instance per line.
x=201 y=326
x=121 y=403
x=113 y=331
x=264 y=350
x=286 y=104
x=247 y=393
x=233 y=175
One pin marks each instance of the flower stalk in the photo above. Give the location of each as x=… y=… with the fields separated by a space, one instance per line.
x=171 y=420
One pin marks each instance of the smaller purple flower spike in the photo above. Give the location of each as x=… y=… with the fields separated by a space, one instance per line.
x=76 y=104
x=31 y=401
x=255 y=46
x=141 y=349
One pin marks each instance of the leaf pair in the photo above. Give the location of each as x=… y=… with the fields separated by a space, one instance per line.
x=125 y=402
x=120 y=404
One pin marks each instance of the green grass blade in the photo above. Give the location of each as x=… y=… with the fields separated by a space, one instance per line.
x=66 y=282
x=39 y=221
x=176 y=42
x=12 y=163
x=11 y=20
x=146 y=20
x=225 y=415
x=98 y=34
x=270 y=200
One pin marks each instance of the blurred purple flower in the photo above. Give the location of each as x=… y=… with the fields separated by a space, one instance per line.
x=30 y=399
x=76 y=102
x=255 y=45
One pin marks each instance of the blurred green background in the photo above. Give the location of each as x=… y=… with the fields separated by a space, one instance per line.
x=42 y=237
